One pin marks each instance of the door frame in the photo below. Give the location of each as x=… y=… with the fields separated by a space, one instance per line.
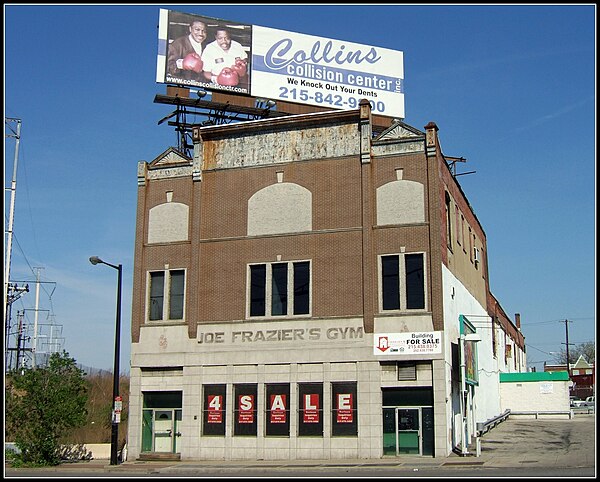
x=174 y=430
x=419 y=431
x=423 y=434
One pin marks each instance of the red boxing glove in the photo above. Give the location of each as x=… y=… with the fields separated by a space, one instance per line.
x=228 y=76
x=240 y=67
x=193 y=62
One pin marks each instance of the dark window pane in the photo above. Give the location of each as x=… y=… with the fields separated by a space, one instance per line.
x=162 y=399
x=415 y=283
x=279 y=289
x=213 y=413
x=177 y=290
x=277 y=409
x=244 y=410
x=301 y=288
x=344 y=416
x=390 y=283
x=408 y=397
x=157 y=293
x=257 y=290
x=310 y=409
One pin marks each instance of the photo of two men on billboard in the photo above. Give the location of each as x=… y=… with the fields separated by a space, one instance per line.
x=208 y=52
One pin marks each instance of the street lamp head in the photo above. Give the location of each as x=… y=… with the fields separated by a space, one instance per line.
x=95 y=260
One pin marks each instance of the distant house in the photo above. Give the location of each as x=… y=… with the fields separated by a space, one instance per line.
x=583 y=376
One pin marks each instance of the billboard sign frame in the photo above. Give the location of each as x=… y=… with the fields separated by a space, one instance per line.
x=288 y=66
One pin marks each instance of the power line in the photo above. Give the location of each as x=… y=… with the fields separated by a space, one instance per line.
x=542 y=351
x=560 y=321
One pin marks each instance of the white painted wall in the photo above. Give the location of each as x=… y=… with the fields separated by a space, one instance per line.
x=486 y=399
x=538 y=396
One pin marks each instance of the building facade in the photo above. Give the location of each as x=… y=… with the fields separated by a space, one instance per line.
x=582 y=376
x=307 y=289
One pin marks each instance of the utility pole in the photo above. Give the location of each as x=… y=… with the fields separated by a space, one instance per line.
x=566 y=322
x=12 y=128
x=16 y=133
x=35 y=322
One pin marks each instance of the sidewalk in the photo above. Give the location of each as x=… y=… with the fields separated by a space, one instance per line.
x=516 y=442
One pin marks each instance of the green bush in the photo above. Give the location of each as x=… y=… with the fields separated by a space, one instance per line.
x=42 y=404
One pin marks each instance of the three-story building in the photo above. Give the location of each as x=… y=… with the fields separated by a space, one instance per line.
x=305 y=288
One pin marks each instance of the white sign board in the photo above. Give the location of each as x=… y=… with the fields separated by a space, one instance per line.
x=413 y=343
x=300 y=68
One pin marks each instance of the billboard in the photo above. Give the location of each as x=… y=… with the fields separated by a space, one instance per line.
x=220 y=55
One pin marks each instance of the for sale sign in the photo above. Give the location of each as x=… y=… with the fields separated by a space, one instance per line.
x=246 y=409
x=215 y=409
x=277 y=404
x=412 y=343
x=311 y=408
x=345 y=405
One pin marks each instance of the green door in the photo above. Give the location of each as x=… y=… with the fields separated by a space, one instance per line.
x=177 y=433
x=402 y=433
x=409 y=431
x=390 y=444
x=147 y=430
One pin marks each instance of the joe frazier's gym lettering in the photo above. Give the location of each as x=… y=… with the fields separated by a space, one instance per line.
x=282 y=335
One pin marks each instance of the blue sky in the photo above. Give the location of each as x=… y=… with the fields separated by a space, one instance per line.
x=511 y=88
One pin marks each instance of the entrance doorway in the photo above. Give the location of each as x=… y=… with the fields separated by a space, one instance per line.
x=161 y=422
x=166 y=433
x=402 y=431
x=407 y=429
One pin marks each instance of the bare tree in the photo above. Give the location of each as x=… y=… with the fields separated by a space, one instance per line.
x=587 y=350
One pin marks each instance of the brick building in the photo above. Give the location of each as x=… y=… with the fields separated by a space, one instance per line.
x=311 y=286
x=582 y=375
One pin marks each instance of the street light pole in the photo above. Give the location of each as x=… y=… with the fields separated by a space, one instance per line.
x=114 y=440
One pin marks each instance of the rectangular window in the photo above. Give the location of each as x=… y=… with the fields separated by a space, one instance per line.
x=344 y=413
x=176 y=295
x=167 y=295
x=157 y=295
x=244 y=410
x=402 y=282
x=482 y=261
x=213 y=413
x=471 y=236
x=448 y=222
x=458 y=226
x=415 y=282
x=257 y=290
x=310 y=409
x=462 y=232
x=277 y=413
x=390 y=273
x=279 y=289
x=494 y=351
x=301 y=288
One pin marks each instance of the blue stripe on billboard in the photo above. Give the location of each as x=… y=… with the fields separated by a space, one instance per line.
x=332 y=74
